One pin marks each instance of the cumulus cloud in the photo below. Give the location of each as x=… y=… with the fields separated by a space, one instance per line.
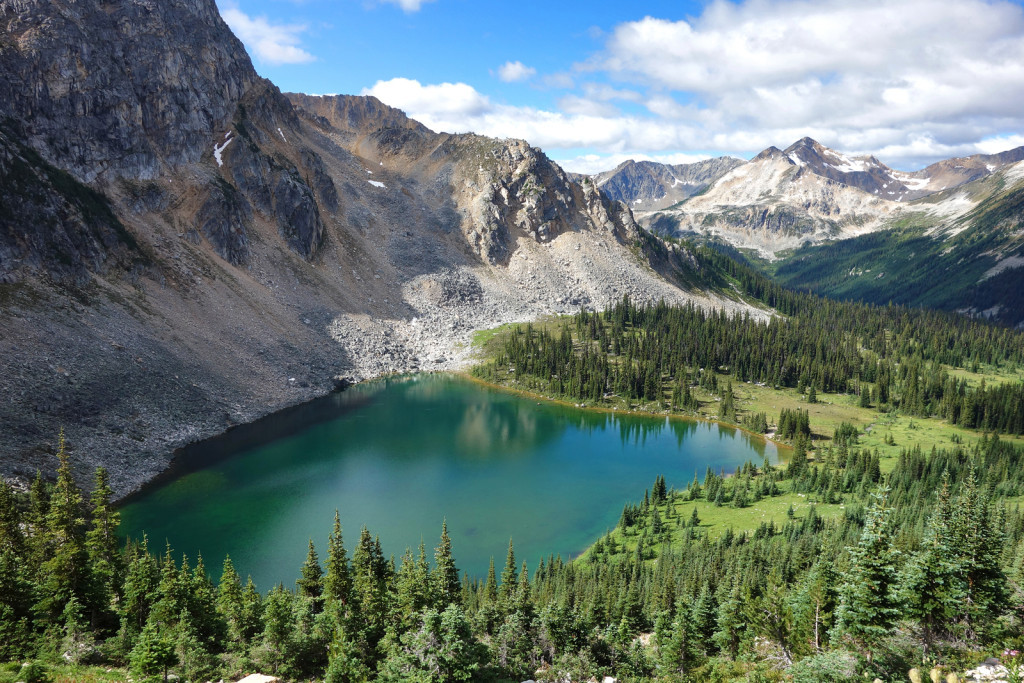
x=511 y=72
x=267 y=42
x=443 y=106
x=921 y=76
x=910 y=82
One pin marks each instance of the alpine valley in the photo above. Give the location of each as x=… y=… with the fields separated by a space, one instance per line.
x=817 y=359
x=949 y=236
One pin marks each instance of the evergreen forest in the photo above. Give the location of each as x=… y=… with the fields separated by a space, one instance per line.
x=884 y=562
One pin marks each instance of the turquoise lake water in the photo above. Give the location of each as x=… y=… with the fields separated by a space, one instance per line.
x=402 y=454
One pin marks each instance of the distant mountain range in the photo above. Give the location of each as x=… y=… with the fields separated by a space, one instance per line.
x=947 y=236
x=649 y=186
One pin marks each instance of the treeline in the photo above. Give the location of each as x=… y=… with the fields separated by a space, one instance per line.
x=922 y=562
x=890 y=357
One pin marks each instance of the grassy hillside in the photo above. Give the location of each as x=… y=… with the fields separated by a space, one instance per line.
x=916 y=265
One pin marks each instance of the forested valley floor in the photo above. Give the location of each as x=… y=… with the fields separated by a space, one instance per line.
x=892 y=537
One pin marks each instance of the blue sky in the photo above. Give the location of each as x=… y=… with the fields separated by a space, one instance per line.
x=595 y=83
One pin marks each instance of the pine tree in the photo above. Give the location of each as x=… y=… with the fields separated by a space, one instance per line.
x=930 y=585
x=491 y=587
x=416 y=590
x=447 y=587
x=251 y=623
x=153 y=654
x=16 y=599
x=868 y=605
x=310 y=584
x=229 y=600
x=11 y=535
x=338 y=580
x=730 y=623
x=102 y=545
x=370 y=594
x=65 y=571
x=278 y=630
x=977 y=538
x=509 y=578
x=142 y=579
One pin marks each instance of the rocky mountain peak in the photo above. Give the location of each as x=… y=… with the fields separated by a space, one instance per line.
x=355 y=113
x=772 y=152
x=649 y=185
x=100 y=94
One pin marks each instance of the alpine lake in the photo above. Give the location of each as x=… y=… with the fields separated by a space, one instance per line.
x=400 y=455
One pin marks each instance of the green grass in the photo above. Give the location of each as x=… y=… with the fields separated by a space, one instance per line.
x=714 y=521
x=483 y=339
x=66 y=673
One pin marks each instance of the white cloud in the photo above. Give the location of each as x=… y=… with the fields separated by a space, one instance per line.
x=897 y=74
x=407 y=5
x=270 y=43
x=511 y=72
x=911 y=82
x=441 y=107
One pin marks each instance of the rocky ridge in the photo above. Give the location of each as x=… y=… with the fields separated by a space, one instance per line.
x=187 y=248
x=808 y=193
x=650 y=186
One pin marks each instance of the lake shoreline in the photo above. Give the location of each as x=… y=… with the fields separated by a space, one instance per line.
x=446 y=445
x=614 y=411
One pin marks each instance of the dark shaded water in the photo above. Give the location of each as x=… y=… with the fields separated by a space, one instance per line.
x=400 y=455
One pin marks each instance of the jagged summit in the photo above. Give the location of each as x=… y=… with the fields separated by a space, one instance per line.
x=864 y=172
x=650 y=185
x=772 y=152
x=781 y=199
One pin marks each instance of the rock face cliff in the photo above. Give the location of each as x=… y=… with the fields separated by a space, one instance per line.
x=650 y=186
x=183 y=247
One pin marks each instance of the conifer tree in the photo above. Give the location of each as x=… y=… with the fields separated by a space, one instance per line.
x=11 y=535
x=102 y=543
x=509 y=578
x=413 y=585
x=310 y=583
x=976 y=542
x=16 y=600
x=229 y=600
x=153 y=654
x=491 y=587
x=930 y=585
x=65 y=570
x=142 y=578
x=338 y=580
x=447 y=587
x=868 y=605
x=252 y=612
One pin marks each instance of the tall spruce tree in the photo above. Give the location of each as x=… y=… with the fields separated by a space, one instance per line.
x=338 y=579
x=102 y=545
x=868 y=604
x=931 y=587
x=65 y=570
x=310 y=583
x=447 y=587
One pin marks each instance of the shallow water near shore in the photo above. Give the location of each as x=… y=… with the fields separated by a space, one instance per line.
x=400 y=455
